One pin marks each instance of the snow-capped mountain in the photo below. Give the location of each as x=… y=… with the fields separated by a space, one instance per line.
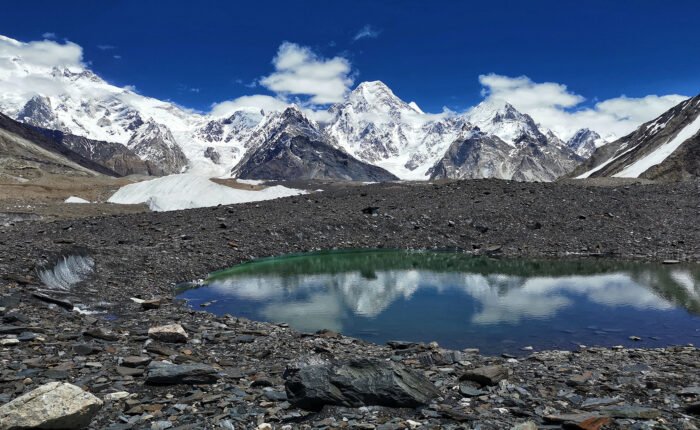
x=667 y=147
x=74 y=100
x=288 y=145
x=501 y=119
x=531 y=157
x=585 y=141
x=377 y=127
x=155 y=144
x=373 y=125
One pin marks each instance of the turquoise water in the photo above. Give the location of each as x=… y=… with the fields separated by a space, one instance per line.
x=499 y=306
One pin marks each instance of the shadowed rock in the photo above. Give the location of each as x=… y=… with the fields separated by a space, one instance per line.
x=159 y=373
x=357 y=383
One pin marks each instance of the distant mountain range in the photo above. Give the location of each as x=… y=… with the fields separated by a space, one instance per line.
x=372 y=136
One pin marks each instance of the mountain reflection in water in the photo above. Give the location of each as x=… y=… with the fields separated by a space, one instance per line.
x=462 y=301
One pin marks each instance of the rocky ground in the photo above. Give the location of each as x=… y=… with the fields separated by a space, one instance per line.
x=226 y=372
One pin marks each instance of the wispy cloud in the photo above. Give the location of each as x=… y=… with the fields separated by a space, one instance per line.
x=182 y=88
x=106 y=47
x=251 y=84
x=49 y=35
x=367 y=32
x=117 y=57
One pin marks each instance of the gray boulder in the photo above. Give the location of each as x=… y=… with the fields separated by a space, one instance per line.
x=487 y=375
x=56 y=405
x=357 y=383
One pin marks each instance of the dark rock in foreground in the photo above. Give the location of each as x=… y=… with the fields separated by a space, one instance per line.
x=159 y=373
x=357 y=383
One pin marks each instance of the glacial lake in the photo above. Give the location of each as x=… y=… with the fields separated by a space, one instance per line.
x=498 y=306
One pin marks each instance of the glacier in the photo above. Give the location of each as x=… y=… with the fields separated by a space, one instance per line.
x=189 y=191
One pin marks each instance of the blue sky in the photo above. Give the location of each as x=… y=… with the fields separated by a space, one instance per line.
x=199 y=53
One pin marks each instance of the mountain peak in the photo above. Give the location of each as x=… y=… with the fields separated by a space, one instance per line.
x=502 y=119
x=493 y=110
x=374 y=93
x=585 y=141
x=372 y=86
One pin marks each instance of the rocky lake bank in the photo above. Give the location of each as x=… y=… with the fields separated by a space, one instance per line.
x=206 y=371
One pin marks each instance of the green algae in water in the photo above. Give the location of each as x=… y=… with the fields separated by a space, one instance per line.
x=462 y=301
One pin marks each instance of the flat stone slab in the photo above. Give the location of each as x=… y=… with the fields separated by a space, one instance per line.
x=172 y=333
x=160 y=373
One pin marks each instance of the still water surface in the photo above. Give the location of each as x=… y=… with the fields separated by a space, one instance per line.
x=461 y=301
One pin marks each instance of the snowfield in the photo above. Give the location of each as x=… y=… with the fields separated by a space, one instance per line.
x=188 y=191
x=74 y=199
x=661 y=153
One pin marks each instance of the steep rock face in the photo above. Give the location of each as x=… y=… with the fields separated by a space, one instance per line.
x=39 y=113
x=155 y=144
x=212 y=154
x=28 y=153
x=543 y=163
x=114 y=156
x=665 y=148
x=474 y=155
x=584 y=142
x=292 y=147
x=501 y=142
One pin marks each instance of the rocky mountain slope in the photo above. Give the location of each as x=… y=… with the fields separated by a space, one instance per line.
x=501 y=142
x=26 y=153
x=290 y=146
x=114 y=156
x=665 y=148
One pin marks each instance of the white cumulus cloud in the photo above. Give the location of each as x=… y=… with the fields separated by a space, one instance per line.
x=300 y=71
x=556 y=107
